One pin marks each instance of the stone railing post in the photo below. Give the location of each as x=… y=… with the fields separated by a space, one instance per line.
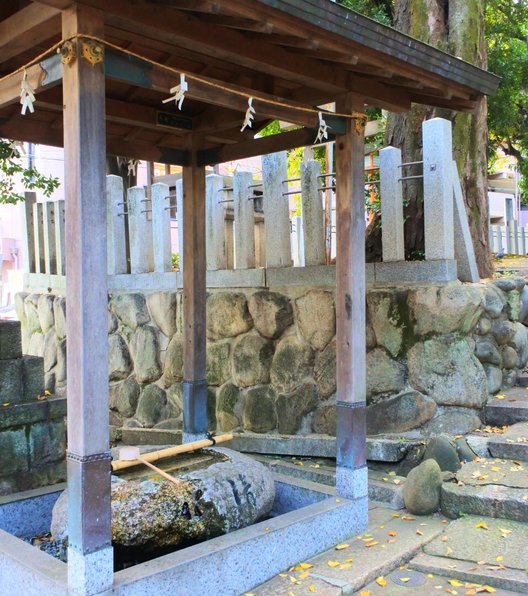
x=312 y=214
x=59 y=237
x=161 y=238
x=214 y=223
x=139 y=231
x=179 y=219
x=438 y=189
x=115 y=222
x=244 y=221
x=276 y=210
x=392 y=238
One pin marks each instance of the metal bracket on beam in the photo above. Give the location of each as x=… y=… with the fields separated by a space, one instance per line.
x=68 y=52
x=92 y=52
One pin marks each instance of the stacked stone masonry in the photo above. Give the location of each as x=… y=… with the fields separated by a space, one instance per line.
x=32 y=430
x=434 y=355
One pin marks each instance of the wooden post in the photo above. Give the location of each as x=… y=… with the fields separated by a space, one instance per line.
x=351 y=474
x=90 y=554
x=194 y=299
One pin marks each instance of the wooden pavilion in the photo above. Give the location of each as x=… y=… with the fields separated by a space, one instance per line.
x=100 y=70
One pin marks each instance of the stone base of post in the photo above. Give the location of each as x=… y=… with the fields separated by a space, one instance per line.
x=352 y=484
x=90 y=573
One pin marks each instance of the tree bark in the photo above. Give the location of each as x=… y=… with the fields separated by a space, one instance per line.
x=455 y=26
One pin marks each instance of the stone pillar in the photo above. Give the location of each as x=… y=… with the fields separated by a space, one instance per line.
x=438 y=189
x=276 y=210
x=90 y=554
x=161 y=240
x=312 y=214
x=59 y=236
x=464 y=250
x=351 y=472
x=139 y=231
x=179 y=219
x=215 y=223
x=392 y=239
x=244 y=221
x=115 y=225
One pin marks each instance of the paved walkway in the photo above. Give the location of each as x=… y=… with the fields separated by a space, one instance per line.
x=401 y=553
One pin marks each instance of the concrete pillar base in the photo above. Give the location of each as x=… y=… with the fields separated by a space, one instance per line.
x=352 y=484
x=91 y=573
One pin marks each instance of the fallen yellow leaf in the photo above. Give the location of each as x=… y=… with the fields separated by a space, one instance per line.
x=364 y=593
x=498 y=396
x=311 y=588
x=504 y=531
x=345 y=565
x=455 y=583
x=333 y=563
x=408 y=518
x=304 y=574
x=488 y=589
x=405 y=579
x=397 y=481
x=371 y=544
x=500 y=558
x=419 y=532
x=342 y=546
x=482 y=526
x=450 y=591
x=495 y=469
x=392 y=533
x=381 y=581
x=302 y=567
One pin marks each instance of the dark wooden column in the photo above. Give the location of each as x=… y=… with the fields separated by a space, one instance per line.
x=351 y=478
x=194 y=298
x=90 y=559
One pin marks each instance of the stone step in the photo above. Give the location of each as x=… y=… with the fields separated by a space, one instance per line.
x=512 y=444
x=510 y=407
x=479 y=550
x=384 y=487
x=496 y=488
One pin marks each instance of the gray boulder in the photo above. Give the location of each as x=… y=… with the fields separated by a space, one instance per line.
x=315 y=313
x=228 y=492
x=421 y=491
x=45 y=312
x=384 y=375
x=130 y=309
x=151 y=405
x=400 y=413
x=119 y=362
x=386 y=310
x=292 y=408
x=218 y=368
x=162 y=307
x=271 y=312
x=259 y=413
x=291 y=364
x=227 y=315
x=446 y=369
x=325 y=370
x=251 y=360
x=144 y=350
x=443 y=450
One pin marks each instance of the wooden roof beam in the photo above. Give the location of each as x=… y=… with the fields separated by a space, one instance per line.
x=279 y=142
x=184 y=30
x=27 y=28
x=121 y=68
x=44 y=75
x=42 y=133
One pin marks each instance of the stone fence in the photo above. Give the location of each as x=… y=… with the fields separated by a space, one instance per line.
x=435 y=353
x=255 y=225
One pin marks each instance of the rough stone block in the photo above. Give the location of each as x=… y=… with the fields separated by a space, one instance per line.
x=11 y=380
x=10 y=340
x=47 y=443
x=33 y=377
x=13 y=452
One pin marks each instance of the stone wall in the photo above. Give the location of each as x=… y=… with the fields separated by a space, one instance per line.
x=434 y=354
x=32 y=426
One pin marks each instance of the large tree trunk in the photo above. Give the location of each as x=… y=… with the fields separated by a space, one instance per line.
x=455 y=26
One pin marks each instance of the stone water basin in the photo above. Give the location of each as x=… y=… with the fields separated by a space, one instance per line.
x=220 y=491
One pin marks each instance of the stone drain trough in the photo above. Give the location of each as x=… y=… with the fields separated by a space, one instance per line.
x=307 y=518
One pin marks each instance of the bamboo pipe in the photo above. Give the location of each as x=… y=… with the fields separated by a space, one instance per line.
x=121 y=464
x=133 y=454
